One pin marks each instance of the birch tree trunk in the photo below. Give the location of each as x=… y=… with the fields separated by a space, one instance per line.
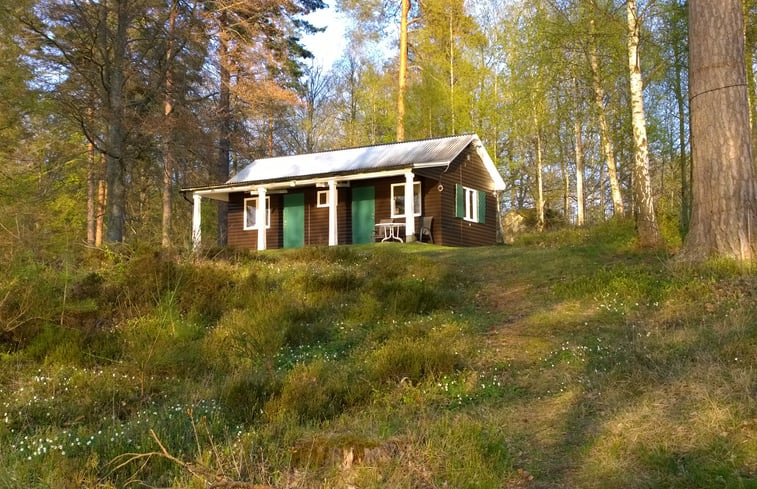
x=724 y=200
x=402 y=81
x=579 y=151
x=565 y=189
x=539 y=179
x=604 y=129
x=646 y=222
x=683 y=159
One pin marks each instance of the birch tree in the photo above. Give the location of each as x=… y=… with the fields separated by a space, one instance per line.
x=646 y=221
x=608 y=150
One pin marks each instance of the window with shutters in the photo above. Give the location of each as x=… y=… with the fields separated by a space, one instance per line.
x=471 y=204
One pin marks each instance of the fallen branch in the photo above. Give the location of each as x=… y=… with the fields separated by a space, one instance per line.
x=206 y=474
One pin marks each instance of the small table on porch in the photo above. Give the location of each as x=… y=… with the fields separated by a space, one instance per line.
x=390 y=231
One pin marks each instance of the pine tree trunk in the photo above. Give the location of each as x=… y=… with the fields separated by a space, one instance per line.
x=224 y=127
x=604 y=129
x=91 y=195
x=102 y=200
x=168 y=148
x=402 y=81
x=114 y=169
x=646 y=221
x=451 y=75
x=724 y=203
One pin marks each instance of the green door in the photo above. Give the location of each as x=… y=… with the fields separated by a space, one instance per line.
x=294 y=220
x=363 y=214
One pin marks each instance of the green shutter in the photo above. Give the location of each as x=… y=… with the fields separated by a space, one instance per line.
x=459 y=201
x=481 y=207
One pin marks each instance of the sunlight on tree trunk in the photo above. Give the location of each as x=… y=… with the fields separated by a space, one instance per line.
x=402 y=77
x=646 y=221
x=451 y=74
x=579 y=155
x=91 y=195
x=539 y=176
x=724 y=210
x=604 y=129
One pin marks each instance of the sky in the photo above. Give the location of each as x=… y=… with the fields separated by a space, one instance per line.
x=327 y=46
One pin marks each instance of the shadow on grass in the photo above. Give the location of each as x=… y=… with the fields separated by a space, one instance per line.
x=631 y=376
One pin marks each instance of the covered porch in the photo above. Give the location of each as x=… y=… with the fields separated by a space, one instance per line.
x=268 y=209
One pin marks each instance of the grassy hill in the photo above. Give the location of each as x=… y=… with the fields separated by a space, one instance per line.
x=568 y=360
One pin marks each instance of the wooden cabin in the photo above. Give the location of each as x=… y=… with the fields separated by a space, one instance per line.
x=440 y=190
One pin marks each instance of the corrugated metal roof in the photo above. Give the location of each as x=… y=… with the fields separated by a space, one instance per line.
x=354 y=160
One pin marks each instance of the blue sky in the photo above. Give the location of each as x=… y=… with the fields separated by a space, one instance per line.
x=327 y=46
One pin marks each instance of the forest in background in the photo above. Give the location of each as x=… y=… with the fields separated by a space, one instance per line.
x=577 y=357
x=151 y=96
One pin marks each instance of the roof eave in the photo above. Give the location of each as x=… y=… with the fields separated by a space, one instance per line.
x=221 y=192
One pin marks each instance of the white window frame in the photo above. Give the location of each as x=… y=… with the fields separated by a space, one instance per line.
x=470 y=197
x=254 y=214
x=401 y=193
x=322 y=195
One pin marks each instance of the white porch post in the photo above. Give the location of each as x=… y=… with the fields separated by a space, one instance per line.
x=196 y=221
x=333 y=225
x=409 y=208
x=260 y=218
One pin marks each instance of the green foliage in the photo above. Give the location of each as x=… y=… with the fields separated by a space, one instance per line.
x=476 y=455
x=430 y=355
x=489 y=367
x=318 y=391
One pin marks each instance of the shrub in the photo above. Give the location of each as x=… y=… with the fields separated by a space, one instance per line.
x=245 y=392
x=417 y=358
x=245 y=337
x=318 y=391
x=204 y=292
x=56 y=344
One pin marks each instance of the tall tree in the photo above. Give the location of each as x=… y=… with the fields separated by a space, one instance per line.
x=646 y=221
x=608 y=149
x=257 y=50
x=169 y=154
x=724 y=212
x=402 y=75
x=116 y=20
x=578 y=150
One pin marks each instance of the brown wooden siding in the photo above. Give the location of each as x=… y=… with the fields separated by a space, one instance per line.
x=467 y=169
x=430 y=200
x=241 y=238
x=344 y=215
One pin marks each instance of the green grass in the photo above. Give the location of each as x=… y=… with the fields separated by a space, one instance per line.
x=570 y=359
